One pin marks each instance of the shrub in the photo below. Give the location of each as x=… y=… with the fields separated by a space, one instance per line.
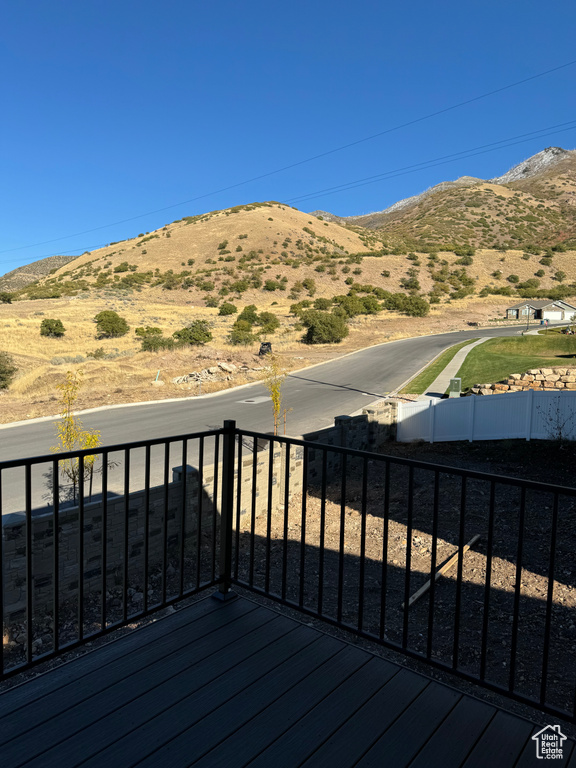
x=269 y=322
x=513 y=279
x=53 y=328
x=148 y=331
x=241 y=333
x=97 y=354
x=7 y=370
x=5 y=297
x=249 y=313
x=310 y=284
x=196 y=334
x=109 y=324
x=560 y=276
x=322 y=304
x=156 y=343
x=546 y=261
x=540 y=273
x=227 y=309
x=324 y=327
x=385 y=273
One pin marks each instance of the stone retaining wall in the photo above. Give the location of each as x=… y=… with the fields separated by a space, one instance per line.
x=535 y=378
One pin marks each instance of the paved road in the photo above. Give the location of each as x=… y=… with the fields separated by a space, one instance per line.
x=315 y=395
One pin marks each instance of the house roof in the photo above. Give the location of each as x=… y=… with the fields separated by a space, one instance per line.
x=540 y=303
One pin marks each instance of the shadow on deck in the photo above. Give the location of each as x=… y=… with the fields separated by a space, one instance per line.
x=233 y=684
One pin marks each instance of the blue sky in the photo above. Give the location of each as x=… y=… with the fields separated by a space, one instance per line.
x=115 y=109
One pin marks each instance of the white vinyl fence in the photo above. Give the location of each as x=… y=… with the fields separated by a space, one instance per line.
x=530 y=415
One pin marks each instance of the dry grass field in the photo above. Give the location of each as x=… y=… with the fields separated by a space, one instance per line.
x=127 y=373
x=168 y=278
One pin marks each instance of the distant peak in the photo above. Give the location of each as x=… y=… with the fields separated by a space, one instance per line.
x=534 y=165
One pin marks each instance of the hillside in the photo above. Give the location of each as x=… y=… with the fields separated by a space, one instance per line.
x=22 y=276
x=534 y=203
x=232 y=250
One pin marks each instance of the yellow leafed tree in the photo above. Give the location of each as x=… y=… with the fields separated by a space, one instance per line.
x=73 y=437
x=274 y=376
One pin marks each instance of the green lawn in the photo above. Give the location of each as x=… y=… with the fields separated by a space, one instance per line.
x=421 y=383
x=496 y=359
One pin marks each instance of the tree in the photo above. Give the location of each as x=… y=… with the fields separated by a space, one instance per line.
x=324 y=327
x=52 y=328
x=5 y=297
x=273 y=379
x=196 y=334
x=109 y=325
x=73 y=437
x=7 y=370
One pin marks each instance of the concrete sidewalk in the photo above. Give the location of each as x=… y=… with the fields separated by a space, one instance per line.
x=442 y=382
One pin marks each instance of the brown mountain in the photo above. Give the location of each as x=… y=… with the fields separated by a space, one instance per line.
x=533 y=203
x=22 y=276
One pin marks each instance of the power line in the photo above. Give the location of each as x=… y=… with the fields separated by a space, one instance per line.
x=306 y=160
x=424 y=165
x=404 y=171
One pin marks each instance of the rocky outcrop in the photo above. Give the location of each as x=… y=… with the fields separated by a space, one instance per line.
x=535 y=378
x=213 y=373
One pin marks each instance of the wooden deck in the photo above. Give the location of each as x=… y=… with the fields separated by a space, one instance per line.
x=231 y=684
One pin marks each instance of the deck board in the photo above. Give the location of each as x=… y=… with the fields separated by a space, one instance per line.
x=234 y=683
x=297 y=743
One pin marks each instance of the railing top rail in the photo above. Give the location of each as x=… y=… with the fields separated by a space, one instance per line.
x=415 y=463
x=104 y=449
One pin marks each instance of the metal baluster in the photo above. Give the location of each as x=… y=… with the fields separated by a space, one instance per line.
x=303 y=528
x=238 y=509
x=183 y=514
x=549 y=599
x=485 y=617
x=433 y=556
x=517 y=589
x=56 y=557
x=165 y=524
x=457 y=607
x=385 y=533
x=200 y=505
x=146 y=526
x=322 y=531
x=215 y=504
x=104 y=560
x=29 y=582
x=342 y=537
x=285 y=532
x=81 y=548
x=362 y=545
x=269 y=515
x=408 y=556
x=253 y=511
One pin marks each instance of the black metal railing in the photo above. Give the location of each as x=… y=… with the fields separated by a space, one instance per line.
x=97 y=539
x=354 y=538
x=350 y=537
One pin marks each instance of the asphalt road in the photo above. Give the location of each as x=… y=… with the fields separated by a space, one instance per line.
x=315 y=395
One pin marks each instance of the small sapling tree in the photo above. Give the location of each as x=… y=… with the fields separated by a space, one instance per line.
x=73 y=437
x=273 y=379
